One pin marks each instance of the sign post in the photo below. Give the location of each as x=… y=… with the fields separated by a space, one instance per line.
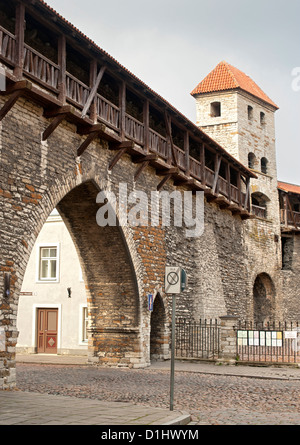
x=175 y=282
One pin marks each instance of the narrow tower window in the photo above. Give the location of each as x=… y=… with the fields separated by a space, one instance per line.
x=264 y=165
x=215 y=109
x=250 y=113
x=251 y=160
x=262 y=118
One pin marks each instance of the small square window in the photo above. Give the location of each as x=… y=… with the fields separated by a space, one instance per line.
x=48 y=263
x=215 y=109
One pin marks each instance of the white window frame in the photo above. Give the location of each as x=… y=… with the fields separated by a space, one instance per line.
x=38 y=262
x=82 y=320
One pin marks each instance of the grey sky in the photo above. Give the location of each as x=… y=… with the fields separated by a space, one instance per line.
x=172 y=45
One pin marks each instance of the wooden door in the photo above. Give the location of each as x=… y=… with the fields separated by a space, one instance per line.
x=47 y=331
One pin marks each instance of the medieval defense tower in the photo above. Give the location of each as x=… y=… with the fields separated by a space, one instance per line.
x=237 y=114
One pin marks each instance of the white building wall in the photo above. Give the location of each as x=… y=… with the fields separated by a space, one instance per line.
x=36 y=294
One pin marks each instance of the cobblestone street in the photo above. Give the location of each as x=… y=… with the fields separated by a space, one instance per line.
x=210 y=399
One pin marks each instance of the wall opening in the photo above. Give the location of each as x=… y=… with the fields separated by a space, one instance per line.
x=287 y=249
x=215 y=109
x=264 y=299
x=159 y=345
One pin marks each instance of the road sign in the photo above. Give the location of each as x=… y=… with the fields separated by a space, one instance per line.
x=173 y=280
x=150 y=302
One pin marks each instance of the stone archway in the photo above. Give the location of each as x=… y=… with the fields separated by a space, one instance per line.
x=159 y=338
x=113 y=298
x=263 y=299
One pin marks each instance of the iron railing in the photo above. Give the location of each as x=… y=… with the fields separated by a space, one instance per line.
x=197 y=339
x=276 y=342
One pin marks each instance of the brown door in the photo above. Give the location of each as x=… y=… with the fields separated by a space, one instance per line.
x=47 y=331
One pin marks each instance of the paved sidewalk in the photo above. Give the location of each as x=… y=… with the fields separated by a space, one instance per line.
x=27 y=408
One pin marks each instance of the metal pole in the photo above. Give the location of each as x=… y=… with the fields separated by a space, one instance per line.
x=172 y=354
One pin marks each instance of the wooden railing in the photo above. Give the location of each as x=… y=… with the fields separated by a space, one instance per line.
x=76 y=91
x=290 y=218
x=108 y=112
x=38 y=66
x=260 y=212
x=195 y=169
x=158 y=144
x=134 y=129
x=7 y=45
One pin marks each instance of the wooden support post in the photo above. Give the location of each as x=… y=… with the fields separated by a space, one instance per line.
x=163 y=181
x=62 y=58
x=122 y=101
x=54 y=124
x=169 y=133
x=93 y=91
x=92 y=132
x=202 y=160
x=228 y=179
x=10 y=103
x=140 y=169
x=218 y=160
x=247 y=199
x=146 y=125
x=187 y=152
x=239 y=186
x=117 y=157
x=285 y=210
x=20 y=35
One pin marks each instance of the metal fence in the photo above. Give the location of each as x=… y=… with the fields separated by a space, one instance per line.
x=197 y=339
x=268 y=343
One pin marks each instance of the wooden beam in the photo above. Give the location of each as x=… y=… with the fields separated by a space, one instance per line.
x=96 y=128
x=169 y=133
x=140 y=169
x=92 y=132
x=122 y=102
x=20 y=35
x=218 y=161
x=53 y=112
x=163 y=182
x=187 y=152
x=247 y=199
x=10 y=103
x=123 y=144
x=146 y=117
x=117 y=157
x=86 y=143
x=62 y=58
x=93 y=92
x=202 y=166
x=140 y=159
x=54 y=124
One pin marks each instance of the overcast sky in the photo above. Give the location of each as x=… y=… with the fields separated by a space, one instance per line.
x=172 y=45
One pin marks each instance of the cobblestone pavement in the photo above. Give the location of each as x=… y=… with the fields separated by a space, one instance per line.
x=210 y=399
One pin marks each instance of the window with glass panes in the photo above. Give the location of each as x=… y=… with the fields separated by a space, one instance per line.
x=48 y=263
x=84 y=324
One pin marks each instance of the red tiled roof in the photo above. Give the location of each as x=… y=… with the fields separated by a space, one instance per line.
x=286 y=187
x=227 y=77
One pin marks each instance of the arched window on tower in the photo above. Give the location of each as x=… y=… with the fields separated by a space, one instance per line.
x=251 y=160
x=264 y=165
x=259 y=205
